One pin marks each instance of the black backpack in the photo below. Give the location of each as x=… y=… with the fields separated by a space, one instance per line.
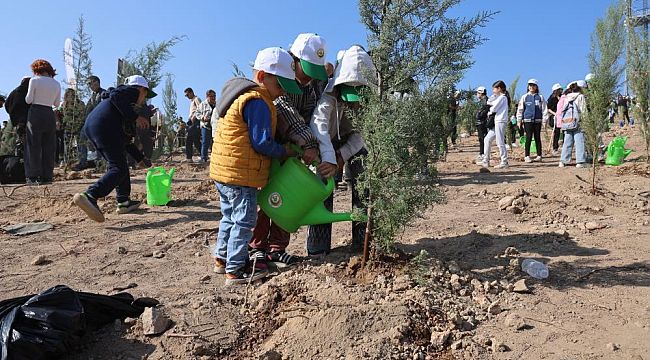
x=12 y=170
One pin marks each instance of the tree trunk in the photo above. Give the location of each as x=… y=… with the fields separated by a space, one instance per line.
x=367 y=239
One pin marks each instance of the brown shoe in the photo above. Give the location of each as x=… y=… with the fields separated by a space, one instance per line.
x=219 y=266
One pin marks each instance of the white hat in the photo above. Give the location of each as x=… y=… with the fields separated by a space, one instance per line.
x=278 y=62
x=571 y=83
x=581 y=83
x=532 y=81
x=339 y=55
x=311 y=49
x=481 y=89
x=354 y=67
x=139 y=80
x=556 y=87
x=589 y=77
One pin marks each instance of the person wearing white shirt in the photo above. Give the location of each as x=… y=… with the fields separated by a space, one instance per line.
x=499 y=105
x=204 y=115
x=43 y=93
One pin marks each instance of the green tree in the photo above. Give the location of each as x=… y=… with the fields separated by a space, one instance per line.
x=607 y=45
x=514 y=98
x=170 y=110
x=467 y=112
x=83 y=66
x=638 y=68
x=410 y=41
x=149 y=61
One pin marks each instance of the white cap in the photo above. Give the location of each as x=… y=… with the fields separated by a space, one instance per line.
x=278 y=62
x=589 y=77
x=556 y=87
x=532 y=81
x=311 y=50
x=571 y=83
x=339 y=55
x=481 y=89
x=354 y=68
x=581 y=83
x=139 y=80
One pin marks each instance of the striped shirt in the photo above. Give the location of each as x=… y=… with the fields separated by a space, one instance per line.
x=294 y=113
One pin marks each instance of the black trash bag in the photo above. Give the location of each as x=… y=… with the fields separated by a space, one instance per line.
x=52 y=323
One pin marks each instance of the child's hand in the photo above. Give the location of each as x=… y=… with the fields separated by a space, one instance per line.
x=142 y=122
x=327 y=170
x=310 y=155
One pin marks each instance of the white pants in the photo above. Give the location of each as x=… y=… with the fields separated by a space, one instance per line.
x=499 y=133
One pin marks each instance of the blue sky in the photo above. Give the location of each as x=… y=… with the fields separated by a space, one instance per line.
x=531 y=39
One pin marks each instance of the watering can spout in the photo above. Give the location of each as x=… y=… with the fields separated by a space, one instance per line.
x=319 y=215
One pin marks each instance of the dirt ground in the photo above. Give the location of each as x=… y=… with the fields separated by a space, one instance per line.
x=458 y=299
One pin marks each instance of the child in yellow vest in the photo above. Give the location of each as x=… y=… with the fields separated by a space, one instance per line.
x=241 y=156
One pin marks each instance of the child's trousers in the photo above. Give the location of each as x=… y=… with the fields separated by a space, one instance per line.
x=239 y=214
x=499 y=133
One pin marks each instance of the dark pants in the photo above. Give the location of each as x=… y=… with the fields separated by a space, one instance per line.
x=40 y=144
x=533 y=129
x=206 y=142
x=453 y=132
x=319 y=237
x=60 y=146
x=193 y=140
x=556 y=138
x=267 y=235
x=111 y=146
x=482 y=131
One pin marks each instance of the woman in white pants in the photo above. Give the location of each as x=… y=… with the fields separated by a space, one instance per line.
x=499 y=105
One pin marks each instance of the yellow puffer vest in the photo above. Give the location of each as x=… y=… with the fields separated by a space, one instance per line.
x=233 y=160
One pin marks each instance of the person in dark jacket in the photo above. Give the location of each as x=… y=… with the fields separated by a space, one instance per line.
x=481 y=121
x=551 y=107
x=98 y=94
x=108 y=127
x=17 y=108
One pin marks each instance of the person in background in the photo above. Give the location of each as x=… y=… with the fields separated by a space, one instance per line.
x=97 y=95
x=624 y=110
x=530 y=111
x=452 y=112
x=193 y=139
x=2 y=101
x=43 y=94
x=551 y=109
x=108 y=127
x=73 y=114
x=181 y=133
x=18 y=109
x=574 y=99
x=499 y=104
x=204 y=116
x=481 y=121
x=241 y=157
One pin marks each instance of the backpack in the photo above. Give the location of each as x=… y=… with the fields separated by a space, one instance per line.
x=482 y=114
x=570 y=116
x=12 y=170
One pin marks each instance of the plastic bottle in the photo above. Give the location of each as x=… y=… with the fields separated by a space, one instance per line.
x=534 y=268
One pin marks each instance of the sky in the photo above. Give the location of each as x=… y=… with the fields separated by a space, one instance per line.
x=525 y=38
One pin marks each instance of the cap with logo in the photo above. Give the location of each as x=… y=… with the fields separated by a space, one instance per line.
x=278 y=62
x=138 y=80
x=481 y=89
x=310 y=49
x=581 y=83
x=532 y=81
x=556 y=86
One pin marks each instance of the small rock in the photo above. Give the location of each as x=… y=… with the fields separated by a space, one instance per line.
x=402 y=283
x=515 y=321
x=158 y=254
x=591 y=226
x=505 y=202
x=494 y=308
x=516 y=210
x=543 y=195
x=612 y=347
x=511 y=251
x=205 y=278
x=121 y=250
x=154 y=321
x=271 y=355
x=147 y=254
x=516 y=263
x=453 y=267
x=476 y=284
x=483 y=170
x=521 y=287
x=197 y=254
x=499 y=347
x=440 y=338
x=354 y=263
x=40 y=260
x=457 y=345
x=483 y=192
x=519 y=202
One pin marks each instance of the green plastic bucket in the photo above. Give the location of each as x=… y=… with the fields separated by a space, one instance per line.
x=533 y=145
x=159 y=186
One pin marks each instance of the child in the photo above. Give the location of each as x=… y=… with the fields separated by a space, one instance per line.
x=499 y=104
x=345 y=144
x=531 y=109
x=241 y=156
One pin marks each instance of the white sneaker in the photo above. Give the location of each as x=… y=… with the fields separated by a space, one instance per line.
x=538 y=158
x=561 y=164
x=528 y=159
x=502 y=166
x=582 y=165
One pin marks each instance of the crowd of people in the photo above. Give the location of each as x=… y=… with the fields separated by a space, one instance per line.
x=562 y=113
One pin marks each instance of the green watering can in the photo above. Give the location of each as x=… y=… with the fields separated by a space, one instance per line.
x=616 y=152
x=159 y=186
x=294 y=197
x=533 y=146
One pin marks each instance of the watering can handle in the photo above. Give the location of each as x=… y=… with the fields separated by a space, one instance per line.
x=330 y=181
